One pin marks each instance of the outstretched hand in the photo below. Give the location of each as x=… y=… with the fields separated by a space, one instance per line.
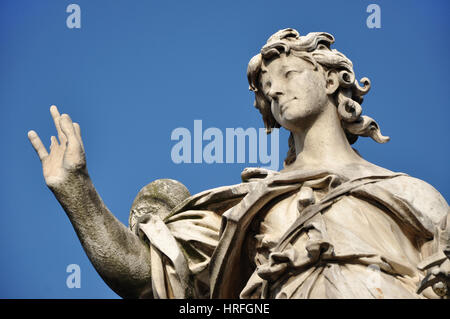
x=66 y=156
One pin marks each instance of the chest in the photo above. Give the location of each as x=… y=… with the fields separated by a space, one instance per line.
x=351 y=226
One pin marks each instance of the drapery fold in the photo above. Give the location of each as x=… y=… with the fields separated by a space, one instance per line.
x=199 y=249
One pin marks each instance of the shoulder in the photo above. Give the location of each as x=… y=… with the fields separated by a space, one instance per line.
x=419 y=194
x=159 y=198
x=168 y=197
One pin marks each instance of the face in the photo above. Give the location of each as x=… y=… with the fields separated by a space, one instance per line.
x=297 y=92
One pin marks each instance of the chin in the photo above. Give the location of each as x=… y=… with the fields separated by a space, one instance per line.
x=296 y=119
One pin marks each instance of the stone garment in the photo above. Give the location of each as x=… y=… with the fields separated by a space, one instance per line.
x=302 y=234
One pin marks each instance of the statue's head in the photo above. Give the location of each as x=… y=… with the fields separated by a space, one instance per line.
x=295 y=77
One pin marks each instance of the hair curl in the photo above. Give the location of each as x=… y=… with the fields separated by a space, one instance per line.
x=315 y=48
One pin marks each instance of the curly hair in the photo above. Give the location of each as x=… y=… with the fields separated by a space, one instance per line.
x=315 y=48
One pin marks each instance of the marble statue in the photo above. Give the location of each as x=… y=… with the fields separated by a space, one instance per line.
x=311 y=230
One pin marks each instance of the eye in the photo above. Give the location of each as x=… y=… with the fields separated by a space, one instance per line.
x=290 y=72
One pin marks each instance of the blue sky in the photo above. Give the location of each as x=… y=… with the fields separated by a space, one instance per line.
x=136 y=70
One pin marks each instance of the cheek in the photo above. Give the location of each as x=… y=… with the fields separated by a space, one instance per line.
x=310 y=95
x=305 y=84
x=313 y=92
x=311 y=98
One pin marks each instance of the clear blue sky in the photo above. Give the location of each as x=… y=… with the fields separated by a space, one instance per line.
x=136 y=70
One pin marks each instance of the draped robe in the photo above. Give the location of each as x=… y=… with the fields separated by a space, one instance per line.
x=299 y=234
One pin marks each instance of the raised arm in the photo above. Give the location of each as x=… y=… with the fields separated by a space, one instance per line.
x=118 y=255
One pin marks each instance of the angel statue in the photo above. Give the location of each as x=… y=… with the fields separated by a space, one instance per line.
x=328 y=225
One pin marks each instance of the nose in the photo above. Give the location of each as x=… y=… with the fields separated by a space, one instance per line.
x=275 y=93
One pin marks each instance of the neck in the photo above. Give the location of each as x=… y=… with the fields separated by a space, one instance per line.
x=323 y=144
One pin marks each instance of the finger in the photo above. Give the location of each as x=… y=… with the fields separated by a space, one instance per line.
x=77 y=129
x=65 y=122
x=55 y=115
x=53 y=143
x=37 y=145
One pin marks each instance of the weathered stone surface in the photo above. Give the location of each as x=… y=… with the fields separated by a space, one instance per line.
x=157 y=198
x=329 y=225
